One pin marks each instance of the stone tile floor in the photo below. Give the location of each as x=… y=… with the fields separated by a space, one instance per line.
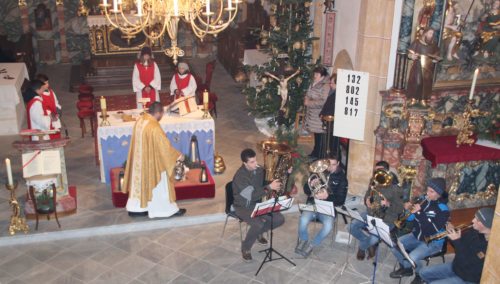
x=196 y=254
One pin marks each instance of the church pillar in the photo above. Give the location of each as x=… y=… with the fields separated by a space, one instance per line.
x=372 y=56
x=23 y=8
x=491 y=274
x=62 y=32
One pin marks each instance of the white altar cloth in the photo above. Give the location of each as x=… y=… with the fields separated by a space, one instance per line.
x=12 y=109
x=115 y=138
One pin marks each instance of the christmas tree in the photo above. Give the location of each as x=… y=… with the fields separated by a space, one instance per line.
x=287 y=76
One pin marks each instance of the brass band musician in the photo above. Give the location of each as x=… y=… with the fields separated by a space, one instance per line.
x=470 y=251
x=248 y=190
x=383 y=201
x=429 y=218
x=336 y=192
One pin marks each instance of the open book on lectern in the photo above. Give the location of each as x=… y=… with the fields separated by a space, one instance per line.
x=271 y=205
x=42 y=162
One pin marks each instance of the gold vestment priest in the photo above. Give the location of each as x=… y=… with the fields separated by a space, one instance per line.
x=149 y=170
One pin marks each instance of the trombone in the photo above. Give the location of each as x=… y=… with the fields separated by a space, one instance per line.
x=444 y=234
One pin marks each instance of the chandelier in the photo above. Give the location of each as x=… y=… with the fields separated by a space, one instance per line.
x=154 y=18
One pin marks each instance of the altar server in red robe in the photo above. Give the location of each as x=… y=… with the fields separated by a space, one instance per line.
x=51 y=105
x=38 y=117
x=183 y=83
x=146 y=79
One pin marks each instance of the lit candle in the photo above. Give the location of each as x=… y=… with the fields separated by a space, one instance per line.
x=9 y=172
x=103 y=103
x=139 y=8
x=473 y=83
x=205 y=97
x=115 y=6
x=208 y=7
x=229 y=4
x=176 y=8
x=105 y=3
x=120 y=2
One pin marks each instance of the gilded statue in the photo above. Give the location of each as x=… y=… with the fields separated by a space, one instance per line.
x=425 y=53
x=424 y=16
x=489 y=30
x=452 y=34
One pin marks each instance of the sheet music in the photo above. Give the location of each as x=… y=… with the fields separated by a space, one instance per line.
x=349 y=212
x=324 y=207
x=267 y=206
x=380 y=229
x=405 y=254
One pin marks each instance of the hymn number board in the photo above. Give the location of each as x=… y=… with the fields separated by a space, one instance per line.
x=350 y=104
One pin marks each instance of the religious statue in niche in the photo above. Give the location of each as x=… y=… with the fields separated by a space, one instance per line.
x=283 y=87
x=452 y=34
x=489 y=30
x=43 y=21
x=99 y=41
x=425 y=53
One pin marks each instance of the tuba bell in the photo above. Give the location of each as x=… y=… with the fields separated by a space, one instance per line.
x=277 y=161
x=381 y=178
x=317 y=181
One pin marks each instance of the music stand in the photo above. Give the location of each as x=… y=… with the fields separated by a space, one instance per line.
x=376 y=226
x=353 y=215
x=268 y=208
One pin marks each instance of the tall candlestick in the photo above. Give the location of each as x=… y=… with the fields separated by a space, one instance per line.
x=208 y=8
x=473 y=83
x=103 y=103
x=9 y=172
x=115 y=6
x=139 y=8
x=176 y=8
x=205 y=97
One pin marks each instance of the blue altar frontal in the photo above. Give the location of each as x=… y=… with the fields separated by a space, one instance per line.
x=114 y=140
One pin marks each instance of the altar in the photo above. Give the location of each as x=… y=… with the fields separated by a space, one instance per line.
x=12 y=109
x=113 y=141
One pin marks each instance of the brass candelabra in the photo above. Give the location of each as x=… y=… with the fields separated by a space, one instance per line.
x=467 y=130
x=205 y=111
x=17 y=223
x=104 y=116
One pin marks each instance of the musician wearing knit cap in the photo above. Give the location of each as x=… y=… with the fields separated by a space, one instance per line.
x=183 y=83
x=429 y=218
x=146 y=78
x=470 y=251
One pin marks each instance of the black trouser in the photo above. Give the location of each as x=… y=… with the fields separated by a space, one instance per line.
x=317 y=145
x=258 y=225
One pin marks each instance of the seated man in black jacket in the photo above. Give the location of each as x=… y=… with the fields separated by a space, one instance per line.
x=248 y=190
x=336 y=193
x=470 y=251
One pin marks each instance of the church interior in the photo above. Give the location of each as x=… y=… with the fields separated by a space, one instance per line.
x=393 y=98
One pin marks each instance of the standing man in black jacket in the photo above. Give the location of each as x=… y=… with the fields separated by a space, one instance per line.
x=336 y=193
x=470 y=251
x=248 y=190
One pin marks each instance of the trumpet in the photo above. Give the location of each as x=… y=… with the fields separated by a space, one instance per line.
x=399 y=223
x=444 y=234
x=380 y=178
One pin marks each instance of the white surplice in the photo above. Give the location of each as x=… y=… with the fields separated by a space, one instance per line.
x=137 y=84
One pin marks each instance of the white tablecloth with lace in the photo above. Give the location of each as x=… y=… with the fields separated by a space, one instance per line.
x=113 y=141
